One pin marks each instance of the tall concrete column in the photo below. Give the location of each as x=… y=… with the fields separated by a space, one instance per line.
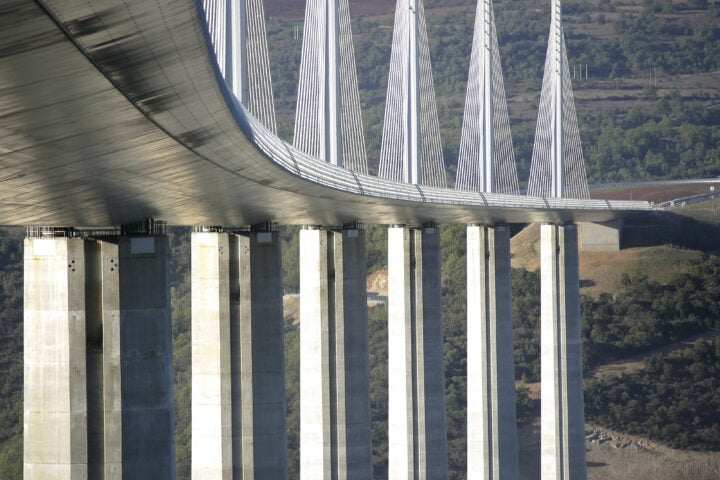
x=98 y=359
x=262 y=358
x=238 y=404
x=491 y=419
x=335 y=433
x=104 y=354
x=562 y=408
x=55 y=405
x=212 y=425
x=416 y=393
x=148 y=410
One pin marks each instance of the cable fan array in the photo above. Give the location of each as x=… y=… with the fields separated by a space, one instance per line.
x=411 y=150
x=244 y=60
x=487 y=160
x=328 y=122
x=557 y=168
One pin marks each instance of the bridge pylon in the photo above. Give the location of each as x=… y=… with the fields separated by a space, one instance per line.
x=237 y=32
x=557 y=168
x=411 y=150
x=328 y=121
x=486 y=162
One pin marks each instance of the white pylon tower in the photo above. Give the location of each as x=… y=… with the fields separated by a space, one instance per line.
x=558 y=170
x=558 y=167
x=237 y=31
x=411 y=149
x=486 y=162
x=328 y=121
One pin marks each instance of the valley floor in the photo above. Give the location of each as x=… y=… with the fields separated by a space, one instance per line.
x=616 y=456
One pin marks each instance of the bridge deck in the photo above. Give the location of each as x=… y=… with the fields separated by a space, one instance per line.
x=115 y=114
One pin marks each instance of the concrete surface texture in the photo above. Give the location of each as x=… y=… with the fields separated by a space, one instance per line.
x=148 y=414
x=55 y=406
x=416 y=390
x=335 y=436
x=601 y=237
x=212 y=446
x=238 y=404
x=98 y=359
x=263 y=435
x=491 y=420
x=562 y=438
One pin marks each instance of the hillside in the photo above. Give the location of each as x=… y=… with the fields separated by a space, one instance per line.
x=613 y=455
x=680 y=239
x=603 y=271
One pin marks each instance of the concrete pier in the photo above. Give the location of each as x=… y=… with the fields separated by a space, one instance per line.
x=148 y=413
x=335 y=433
x=491 y=419
x=98 y=359
x=55 y=402
x=416 y=392
x=562 y=440
x=238 y=394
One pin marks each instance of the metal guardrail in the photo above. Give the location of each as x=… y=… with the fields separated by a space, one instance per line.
x=146 y=227
x=658 y=183
x=681 y=202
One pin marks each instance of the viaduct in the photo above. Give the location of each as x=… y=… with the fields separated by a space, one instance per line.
x=115 y=113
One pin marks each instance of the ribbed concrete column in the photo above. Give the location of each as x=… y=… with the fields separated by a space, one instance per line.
x=212 y=422
x=104 y=360
x=98 y=359
x=55 y=410
x=262 y=358
x=491 y=420
x=148 y=411
x=416 y=416
x=562 y=408
x=335 y=434
x=238 y=404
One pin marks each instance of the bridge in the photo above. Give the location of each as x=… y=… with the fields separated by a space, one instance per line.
x=113 y=114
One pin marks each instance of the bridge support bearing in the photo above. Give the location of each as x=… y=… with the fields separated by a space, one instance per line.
x=491 y=418
x=562 y=409
x=416 y=392
x=238 y=379
x=98 y=359
x=335 y=431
